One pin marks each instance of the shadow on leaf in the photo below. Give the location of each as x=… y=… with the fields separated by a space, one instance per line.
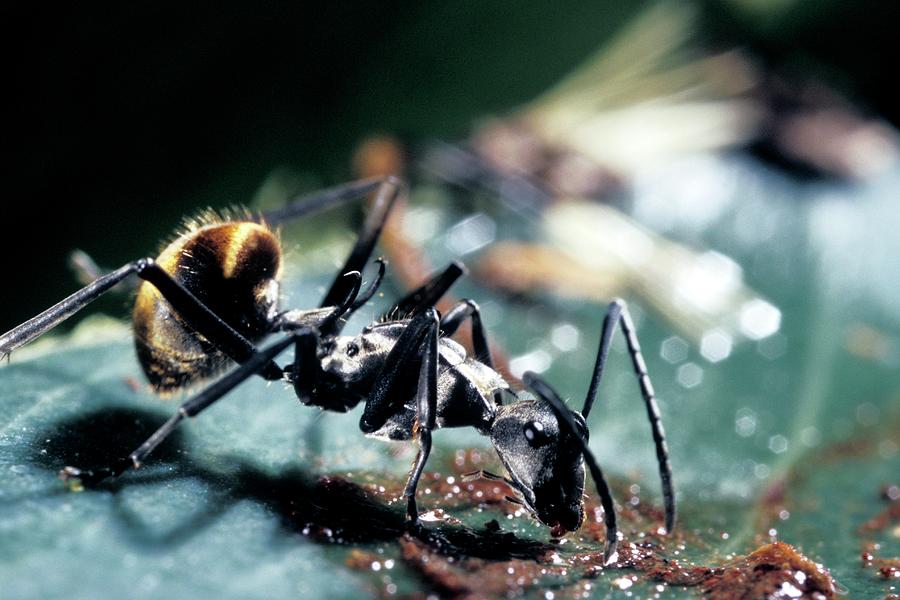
x=325 y=509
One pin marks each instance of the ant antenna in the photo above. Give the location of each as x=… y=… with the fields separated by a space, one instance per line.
x=332 y=326
x=370 y=291
x=564 y=416
x=617 y=314
x=353 y=300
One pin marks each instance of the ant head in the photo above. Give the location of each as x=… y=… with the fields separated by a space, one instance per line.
x=544 y=461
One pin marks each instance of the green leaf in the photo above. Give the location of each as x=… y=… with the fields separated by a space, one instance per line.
x=789 y=438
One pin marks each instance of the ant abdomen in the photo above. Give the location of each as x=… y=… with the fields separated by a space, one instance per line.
x=233 y=268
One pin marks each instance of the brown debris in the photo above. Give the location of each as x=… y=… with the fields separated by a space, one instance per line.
x=361 y=560
x=773 y=571
x=515 y=148
x=454 y=492
x=886 y=568
x=884 y=519
x=472 y=578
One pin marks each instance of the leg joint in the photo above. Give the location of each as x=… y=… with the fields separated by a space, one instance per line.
x=143 y=264
x=472 y=306
x=395 y=181
x=618 y=303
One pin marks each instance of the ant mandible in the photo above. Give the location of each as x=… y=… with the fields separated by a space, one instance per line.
x=212 y=294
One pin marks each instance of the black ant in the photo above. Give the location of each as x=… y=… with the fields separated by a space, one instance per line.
x=213 y=293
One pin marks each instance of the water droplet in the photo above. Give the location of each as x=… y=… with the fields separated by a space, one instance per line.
x=778 y=443
x=715 y=345
x=745 y=422
x=762 y=471
x=759 y=319
x=689 y=375
x=537 y=361
x=673 y=350
x=623 y=583
x=565 y=336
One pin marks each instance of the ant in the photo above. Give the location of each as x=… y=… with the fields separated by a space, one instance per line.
x=212 y=294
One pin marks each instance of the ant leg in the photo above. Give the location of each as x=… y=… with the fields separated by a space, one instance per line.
x=427 y=294
x=203 y=320
x=417 y=343
x=190 y=408
x=387 y=396
x=84 y=267
x=197 y=314
x=617 y=313
x=453 y=319
x=321 y=200
x=306 y=369
x=426 y=407
x=86 y=270
x=53 y=316
x=388 y=190
x=564 y=416
x=232 y=343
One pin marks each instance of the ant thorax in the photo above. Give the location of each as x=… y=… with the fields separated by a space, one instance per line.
x=465 y=386
x=354 y=362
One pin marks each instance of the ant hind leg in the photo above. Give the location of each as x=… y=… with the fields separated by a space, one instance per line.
x=303 y=340
x=197 y=314
x=59 y=312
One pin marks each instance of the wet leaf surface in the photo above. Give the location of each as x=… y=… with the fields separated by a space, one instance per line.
x=788 y=444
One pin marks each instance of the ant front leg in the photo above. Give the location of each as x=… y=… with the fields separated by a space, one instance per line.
x=386 y=191
x=426 y=295
x=417 y=345
x=617 y=314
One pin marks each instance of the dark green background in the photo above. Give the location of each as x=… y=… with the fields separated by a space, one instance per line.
x=124 y=117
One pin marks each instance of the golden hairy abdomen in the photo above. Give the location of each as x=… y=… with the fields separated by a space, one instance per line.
x=233 y=268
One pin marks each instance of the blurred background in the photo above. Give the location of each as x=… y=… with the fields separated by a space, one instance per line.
x=123 y=119
x=730 y=167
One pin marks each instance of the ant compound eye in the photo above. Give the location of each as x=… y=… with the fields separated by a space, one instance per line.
x=352 y=349
x=535 y=434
